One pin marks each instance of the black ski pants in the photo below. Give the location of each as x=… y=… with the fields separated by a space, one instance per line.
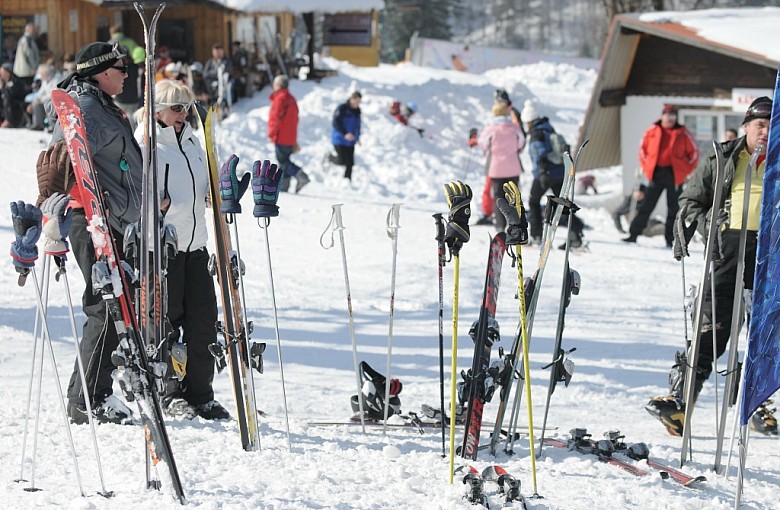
x=192 y=310
x=99 y=338
x=346 y=157
x=538 y=188
x=663 y=180
x=498 y=192
x=725 y=275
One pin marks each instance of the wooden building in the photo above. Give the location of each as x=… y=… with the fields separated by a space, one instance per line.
x=646 y=64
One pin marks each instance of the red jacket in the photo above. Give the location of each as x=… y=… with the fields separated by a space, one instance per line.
x=283 y=118
x=685 y=151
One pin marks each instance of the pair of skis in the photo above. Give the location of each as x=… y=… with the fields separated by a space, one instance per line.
x=508 y=486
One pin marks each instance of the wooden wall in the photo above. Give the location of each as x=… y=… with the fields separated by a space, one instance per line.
x=360 y=55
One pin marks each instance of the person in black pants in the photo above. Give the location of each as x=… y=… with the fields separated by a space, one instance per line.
x=346 y=133
x=668 y=154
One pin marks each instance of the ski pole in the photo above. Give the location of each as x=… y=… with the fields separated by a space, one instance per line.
x=267 y=223
x=338 y=225
x=60 y=263
x=441 y=260
x=454 y=367
x=393 y=217
x=39 y=317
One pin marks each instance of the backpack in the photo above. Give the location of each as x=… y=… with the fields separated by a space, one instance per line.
x=558 y=146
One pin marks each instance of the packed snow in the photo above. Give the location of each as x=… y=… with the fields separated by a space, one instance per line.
x=626 y=324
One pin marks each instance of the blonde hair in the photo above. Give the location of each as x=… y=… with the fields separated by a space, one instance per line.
x=168 y=92
x=500 y=109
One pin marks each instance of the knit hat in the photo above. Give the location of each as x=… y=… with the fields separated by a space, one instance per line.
x=669 y=108
x=529 y=113
x=760 y=108
x=8 y=67
x=503 y=97
x=96 y=57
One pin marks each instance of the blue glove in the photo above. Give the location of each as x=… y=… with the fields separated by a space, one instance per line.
x=265 y=188
x=230 y=188
x=57 y=226
x=27 y=228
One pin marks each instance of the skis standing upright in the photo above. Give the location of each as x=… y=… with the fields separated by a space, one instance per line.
x=236 y=350
x=135 y=374
x=482 y=345
x=698 y=313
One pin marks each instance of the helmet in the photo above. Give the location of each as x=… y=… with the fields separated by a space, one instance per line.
x=412 y=107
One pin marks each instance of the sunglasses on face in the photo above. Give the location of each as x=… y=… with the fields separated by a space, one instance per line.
x=760 y=110
x=121 y=69
x=178 y=107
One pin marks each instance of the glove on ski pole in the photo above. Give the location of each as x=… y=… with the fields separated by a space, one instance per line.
x=230 y=188
x=459 y=200
x=54 y=171
x=682 y=234
x=265 y=188
x=27 y=229
x=511 y=206
x=57 y=226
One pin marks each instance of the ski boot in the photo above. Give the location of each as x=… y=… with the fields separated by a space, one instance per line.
x=670 y=411
x=763 y=420
x=373 y=395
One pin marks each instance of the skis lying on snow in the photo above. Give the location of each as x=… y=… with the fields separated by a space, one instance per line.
x=614 y=451
x=639 y=451
x=508 y=486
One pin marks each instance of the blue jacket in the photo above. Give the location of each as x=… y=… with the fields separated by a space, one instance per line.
x=539 y=146
x=345 y=120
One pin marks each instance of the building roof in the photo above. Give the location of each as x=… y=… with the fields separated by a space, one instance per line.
x=300 y=6
x=743 y=34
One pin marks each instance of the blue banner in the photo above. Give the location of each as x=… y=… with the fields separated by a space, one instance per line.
x=762 y=364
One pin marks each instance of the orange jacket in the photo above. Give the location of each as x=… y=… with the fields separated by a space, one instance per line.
x=685 y=151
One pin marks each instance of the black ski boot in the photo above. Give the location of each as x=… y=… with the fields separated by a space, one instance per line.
x=763 y=420
x=670 y=410
x=373 y=395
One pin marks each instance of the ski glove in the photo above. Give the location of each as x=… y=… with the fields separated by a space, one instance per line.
x=231 y=189
x=27 y=229
x=459 y=200
x=58 y=222
x=511 y=206
x=682 y=234
x=265 y=188
x=54 y=171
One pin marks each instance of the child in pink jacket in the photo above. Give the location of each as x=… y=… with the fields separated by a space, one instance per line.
x=502 y=141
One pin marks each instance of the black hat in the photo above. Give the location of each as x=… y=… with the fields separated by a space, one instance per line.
x=760 y=108
x=96 y=57
x=503 y=97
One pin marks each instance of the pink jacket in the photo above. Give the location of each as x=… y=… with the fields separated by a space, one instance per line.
x=503 y=140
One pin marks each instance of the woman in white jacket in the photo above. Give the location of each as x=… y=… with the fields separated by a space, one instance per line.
x=192 y=302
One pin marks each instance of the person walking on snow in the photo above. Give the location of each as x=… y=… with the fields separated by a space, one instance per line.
x=346 y=133
x=696 y=200
x=668 y=154
x=283 y=132
x=502 y=141
x=192 y=302
x=547 y=175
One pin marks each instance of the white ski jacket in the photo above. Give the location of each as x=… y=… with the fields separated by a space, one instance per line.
x=183 y=177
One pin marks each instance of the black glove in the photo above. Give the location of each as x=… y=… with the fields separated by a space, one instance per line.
x=682 y=234
x=511 y=206
x=459 y=200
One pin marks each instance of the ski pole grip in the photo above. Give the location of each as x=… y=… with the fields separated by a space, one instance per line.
x=393 y=219
x=439 y=219
x=336 y=222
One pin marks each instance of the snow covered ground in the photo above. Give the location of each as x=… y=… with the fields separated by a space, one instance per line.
x=626 y=325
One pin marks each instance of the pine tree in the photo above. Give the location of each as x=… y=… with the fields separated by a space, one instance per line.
x=402 y=18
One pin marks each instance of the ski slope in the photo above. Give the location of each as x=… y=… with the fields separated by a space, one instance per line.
x=626 y=324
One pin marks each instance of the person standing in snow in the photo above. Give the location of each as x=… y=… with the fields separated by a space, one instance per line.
x=283 y=132
x=547 y=175
x=696 y=200
x=192 y=302
x=346 y=133
x=502 y=141
x=101 y=70
x=487 y=193
x=668 y=154
x=27 y=57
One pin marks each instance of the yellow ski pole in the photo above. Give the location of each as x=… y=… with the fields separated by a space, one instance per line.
x=454 y=367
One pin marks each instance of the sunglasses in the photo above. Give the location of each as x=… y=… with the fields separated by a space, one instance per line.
x=121 y=69
x=178 y=107
x=760 y=110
